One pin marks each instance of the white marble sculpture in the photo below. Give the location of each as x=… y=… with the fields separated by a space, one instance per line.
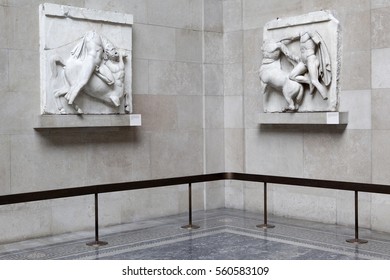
x=314 y=61
x=85 y=61
x=273 y=76
x=96 y=67
x=299 y=66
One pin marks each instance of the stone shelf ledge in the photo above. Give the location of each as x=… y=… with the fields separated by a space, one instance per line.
x=317 y=118
x=84 y=121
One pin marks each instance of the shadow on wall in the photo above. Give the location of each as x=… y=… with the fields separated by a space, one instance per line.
x=335 y=129
x=86 y=136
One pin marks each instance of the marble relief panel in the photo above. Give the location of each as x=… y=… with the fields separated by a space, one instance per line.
x=85 y=61
x=301 y=63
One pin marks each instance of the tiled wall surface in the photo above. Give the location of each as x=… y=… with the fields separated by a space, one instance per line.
x=169 y=92
x=357 y=153
x=196 y=85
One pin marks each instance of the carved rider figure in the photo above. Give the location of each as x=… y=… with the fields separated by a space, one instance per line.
x=316 y=65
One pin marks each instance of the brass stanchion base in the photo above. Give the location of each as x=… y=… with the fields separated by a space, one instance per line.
x=97 y=243
x=265 y=226
x=190 y=227
x=357 y=241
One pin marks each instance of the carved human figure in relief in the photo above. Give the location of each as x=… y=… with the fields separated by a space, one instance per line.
x=314 y=61
x=94 y=67
x=272 y=75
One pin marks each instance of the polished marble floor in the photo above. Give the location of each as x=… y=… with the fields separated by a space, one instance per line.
x=223 y=234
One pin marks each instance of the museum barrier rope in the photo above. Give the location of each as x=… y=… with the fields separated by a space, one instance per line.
x=136 y=185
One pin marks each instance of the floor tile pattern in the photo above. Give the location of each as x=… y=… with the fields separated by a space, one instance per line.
x=223 y=234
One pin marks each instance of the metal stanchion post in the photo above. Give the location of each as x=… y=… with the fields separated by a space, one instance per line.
x=190 y=225
x=265 y=225
x=97 y=242
x=356 y=240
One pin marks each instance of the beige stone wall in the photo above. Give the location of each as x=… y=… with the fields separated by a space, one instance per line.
x=359 y=152
x=195 y=83
x=173 y=86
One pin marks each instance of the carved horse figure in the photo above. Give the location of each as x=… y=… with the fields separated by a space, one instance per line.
x=94 y=67
x=271 y=74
